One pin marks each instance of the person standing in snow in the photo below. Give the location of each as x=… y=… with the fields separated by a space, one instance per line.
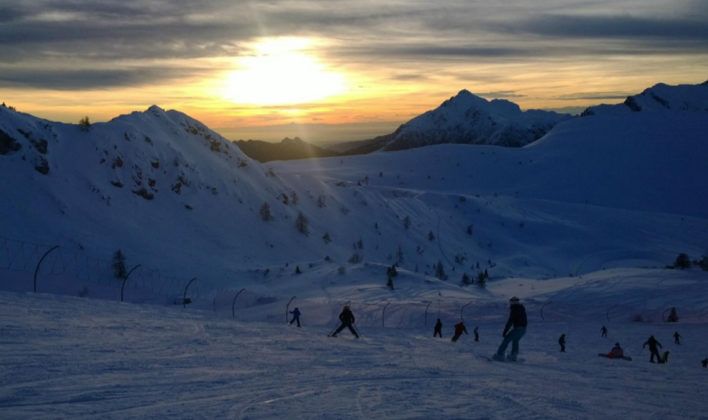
x=459 y=329
x=513 y=331
x=476 y=333
x=347 y=319
x=673 y=315
x=677 y=338
x=561 y=341
x=603 y=331
x=437 y=332
x=654 y=346
x=296 y=317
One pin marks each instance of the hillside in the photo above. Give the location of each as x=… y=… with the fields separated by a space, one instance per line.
x=286 y=149
x=659 y=98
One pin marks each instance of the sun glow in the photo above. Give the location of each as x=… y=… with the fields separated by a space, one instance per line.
x=282 y=71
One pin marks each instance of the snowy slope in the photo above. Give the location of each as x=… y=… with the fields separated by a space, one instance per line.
x=72 y=357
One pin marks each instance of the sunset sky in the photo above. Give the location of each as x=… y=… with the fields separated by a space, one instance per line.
x=337 y=70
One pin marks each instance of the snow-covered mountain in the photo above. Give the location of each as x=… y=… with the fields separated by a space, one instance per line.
x=659 y=98
x=286 y=149
x=467 y=119
x=600 y=191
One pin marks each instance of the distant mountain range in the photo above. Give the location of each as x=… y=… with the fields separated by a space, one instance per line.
x=658 y=98
x=466 y=119
x=286 y=149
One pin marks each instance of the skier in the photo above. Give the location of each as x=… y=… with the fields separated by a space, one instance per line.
x=438 y=329
x=476 y=333
x=704 y=362
x=391 y=272
x=459 y=329
x=615 y=353
x=673 y=315
x=603 y=331
x=517 y=320
x=347 y=318
x=653 y=344
x=296 y=317
x=561 y=341
x=677 y=338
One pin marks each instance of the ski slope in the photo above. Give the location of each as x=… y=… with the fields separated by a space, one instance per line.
x=72 y=357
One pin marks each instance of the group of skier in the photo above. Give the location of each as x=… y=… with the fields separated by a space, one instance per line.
x=514 y=330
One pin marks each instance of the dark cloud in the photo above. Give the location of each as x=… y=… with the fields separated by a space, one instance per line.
x=88 y=34
x=623 y=27
x=85 y=79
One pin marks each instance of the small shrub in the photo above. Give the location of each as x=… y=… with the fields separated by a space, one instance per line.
x=119 y=269
x=682 y=261
x=85 y=123
x=302 y=224
x=265 y=213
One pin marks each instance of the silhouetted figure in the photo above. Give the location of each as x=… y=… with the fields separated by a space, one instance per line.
x=459 y=329
x=677 y=338
x=296 y=317
x=561 y=341
x=615 y=353
x=603 y=331
x=476 y=333
x=654 y=346
x=704 y=362
x=438 y=329
x=514 y=329
x=673 y=315
x=347 y=318
x=391 y=272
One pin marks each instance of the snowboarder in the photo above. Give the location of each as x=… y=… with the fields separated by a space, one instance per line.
x=654 y=346
x=561 y=341
x=438 y=329
x=603 y=331
x=677 y=338
x=476 y=333
x=673 y=315
x=296 y=317
x=347 y=319
x=615 y=353
x=459 y=329
x=517 y=320
x=704 y=362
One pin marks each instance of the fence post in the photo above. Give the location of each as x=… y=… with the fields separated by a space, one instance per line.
x=426 y=313
x=383 y=315
x=233 y=304
x=125 y=280
x=287 y=308
x=36 y=270
x=184 y=298
x=462 y=309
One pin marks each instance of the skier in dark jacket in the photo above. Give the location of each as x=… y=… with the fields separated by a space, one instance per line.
x=677 y=338
x=347 y=318
x=438 y=329
x=561 y=341
x=603 y=331
x=459 y=329
x=296 y=317
x=654 y=345
x=513 y=331
x=476 y=333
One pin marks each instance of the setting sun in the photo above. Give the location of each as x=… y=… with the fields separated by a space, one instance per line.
x=282 y=71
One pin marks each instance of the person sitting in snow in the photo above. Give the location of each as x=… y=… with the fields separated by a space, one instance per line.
x=437 y=332
x=459 y=329
x=296 y=317
x=513 y=331
x=615 y=353
x=347 y=319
